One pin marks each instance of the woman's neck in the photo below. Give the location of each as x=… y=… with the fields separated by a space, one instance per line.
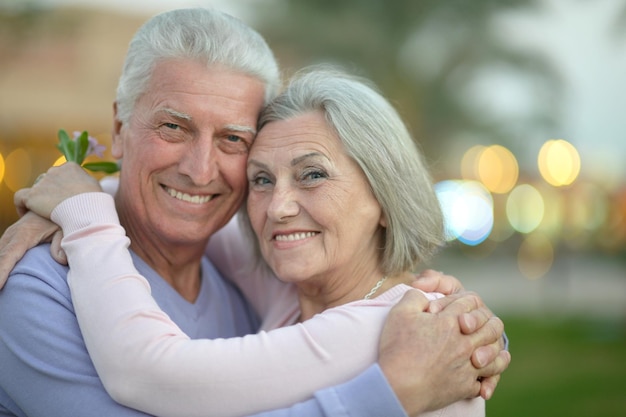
x=315 y=299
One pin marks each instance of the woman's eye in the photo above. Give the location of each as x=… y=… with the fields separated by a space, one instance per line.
x=314 y=175
x=260 y=180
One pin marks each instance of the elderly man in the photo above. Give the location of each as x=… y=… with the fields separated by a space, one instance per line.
x=185 y=114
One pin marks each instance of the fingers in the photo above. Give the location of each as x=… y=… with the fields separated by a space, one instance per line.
x=8 y=256
x=434 y=281
x=474 y=320
x=490 y=375
x=490 y=333
x=19 y=199
x=59 y=183
x=27 y=232
x=484 y=355
x=55 y=248
x=459 y=303
x=412 y=301
x=488 y=386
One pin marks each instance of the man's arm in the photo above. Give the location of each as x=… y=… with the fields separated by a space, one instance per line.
x=29 y=231
x=367 y=395
x=46 y=370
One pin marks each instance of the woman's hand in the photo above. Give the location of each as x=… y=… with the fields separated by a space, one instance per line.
x=35 y=205
x=58 y=184
x=434 y=281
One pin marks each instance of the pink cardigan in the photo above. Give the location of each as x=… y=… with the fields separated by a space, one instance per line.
x=145 y=361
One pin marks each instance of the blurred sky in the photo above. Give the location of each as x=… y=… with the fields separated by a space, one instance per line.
x=579 y=39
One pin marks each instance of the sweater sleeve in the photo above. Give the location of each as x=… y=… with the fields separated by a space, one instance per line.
x=146 y=362
x=233 y=255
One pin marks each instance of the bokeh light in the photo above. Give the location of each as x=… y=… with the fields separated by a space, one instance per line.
x=498 y=169
x=590 y=208
x=1 y=167
x=495 y=166
x=559 y=162
x=554 y=204
x=535 y=256
x=468 y=210
x=60 y=161
x=525 y=208
x=469 y=162
x=18 y=170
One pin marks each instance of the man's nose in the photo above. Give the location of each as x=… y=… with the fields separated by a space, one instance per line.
x=201 y=162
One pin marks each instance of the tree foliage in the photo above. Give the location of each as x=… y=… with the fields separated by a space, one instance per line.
x=422 y=54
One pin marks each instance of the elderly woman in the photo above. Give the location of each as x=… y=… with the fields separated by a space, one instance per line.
x=341 y=205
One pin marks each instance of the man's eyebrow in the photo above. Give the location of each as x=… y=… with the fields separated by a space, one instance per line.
x=240 y=128
x=176 y=114
x=185 y=116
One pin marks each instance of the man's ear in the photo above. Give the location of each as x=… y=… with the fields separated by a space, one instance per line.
x=117 y=148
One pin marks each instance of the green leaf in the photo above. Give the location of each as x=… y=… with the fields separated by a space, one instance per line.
x=80 y=148
x=107 y=167
x=66 y=145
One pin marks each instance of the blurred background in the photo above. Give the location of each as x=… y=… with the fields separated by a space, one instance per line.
x=517 y=104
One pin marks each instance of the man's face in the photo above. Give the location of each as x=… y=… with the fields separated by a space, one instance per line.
x=184 y=152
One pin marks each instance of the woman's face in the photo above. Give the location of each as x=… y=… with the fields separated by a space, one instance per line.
x=310 y=204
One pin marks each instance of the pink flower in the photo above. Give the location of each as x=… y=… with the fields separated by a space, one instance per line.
x=94 y=147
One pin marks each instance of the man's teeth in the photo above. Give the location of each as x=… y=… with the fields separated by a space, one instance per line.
x=196 y=199
x=295 y=236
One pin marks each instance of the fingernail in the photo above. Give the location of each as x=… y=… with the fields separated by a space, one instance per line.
x=481 y=356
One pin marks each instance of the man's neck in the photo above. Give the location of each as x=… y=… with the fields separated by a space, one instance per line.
x=181 y=272
x=177 y=263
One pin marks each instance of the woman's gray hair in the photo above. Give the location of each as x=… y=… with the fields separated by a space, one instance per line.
x=374 y=135
x=199 y=34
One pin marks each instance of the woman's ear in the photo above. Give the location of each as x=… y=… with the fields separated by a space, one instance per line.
x=117 y=148
x=383 y=220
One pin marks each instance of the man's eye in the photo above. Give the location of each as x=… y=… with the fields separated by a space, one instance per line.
x=234 y=138
x=173 y=126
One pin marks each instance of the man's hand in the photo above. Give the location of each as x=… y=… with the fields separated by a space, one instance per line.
x=492 y=356
x=428 y=359
x=28 y=232
x=491 y=359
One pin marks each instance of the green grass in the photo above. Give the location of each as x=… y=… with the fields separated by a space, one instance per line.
x=563 y=367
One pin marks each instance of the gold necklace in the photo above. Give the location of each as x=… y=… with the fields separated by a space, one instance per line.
x=376 y=287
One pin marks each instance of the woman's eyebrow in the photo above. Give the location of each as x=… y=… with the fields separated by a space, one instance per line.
x=301 y=158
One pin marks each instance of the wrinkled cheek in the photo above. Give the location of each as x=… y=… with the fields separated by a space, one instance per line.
x=256 y=214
